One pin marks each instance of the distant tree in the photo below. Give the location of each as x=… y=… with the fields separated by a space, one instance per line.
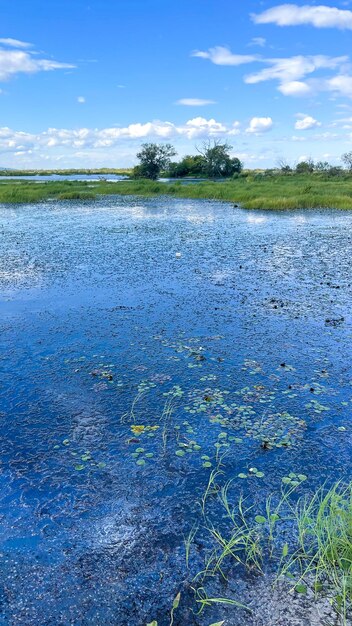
x=322 y=166
x=305 y=167
x=217 y=160
x=284 y=166
x=347 y=160
x=153 y=158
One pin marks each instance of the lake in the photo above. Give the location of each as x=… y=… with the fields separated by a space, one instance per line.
x=146 y=343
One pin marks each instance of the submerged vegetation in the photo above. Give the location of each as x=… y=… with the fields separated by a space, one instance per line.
x=250 y=190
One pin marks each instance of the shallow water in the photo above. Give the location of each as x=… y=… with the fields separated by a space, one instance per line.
x=245 y=339
x=58 y=177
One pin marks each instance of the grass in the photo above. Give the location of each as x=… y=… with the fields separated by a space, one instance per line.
x=324 y=551
x=318 y=550
x=251 y=192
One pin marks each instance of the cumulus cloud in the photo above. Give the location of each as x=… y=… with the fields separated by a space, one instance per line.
x=340 y=85
x=296 y=88
x=15 y=59
x=194 y=102
x=258 y=125
x=305 y=122
x=93 y=138
x=294 y=15
x=221 y=55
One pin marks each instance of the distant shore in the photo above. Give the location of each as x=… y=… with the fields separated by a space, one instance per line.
x=252 y=191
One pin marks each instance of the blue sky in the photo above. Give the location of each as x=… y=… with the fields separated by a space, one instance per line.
x=84 y=83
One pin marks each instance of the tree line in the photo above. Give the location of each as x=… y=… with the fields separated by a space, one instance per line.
x=214 y=161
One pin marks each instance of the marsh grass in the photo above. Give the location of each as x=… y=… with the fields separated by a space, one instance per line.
x=251 y=192
x=324 y=550
x=317 y=553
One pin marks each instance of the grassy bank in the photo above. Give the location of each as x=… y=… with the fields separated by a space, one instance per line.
x=252 y=192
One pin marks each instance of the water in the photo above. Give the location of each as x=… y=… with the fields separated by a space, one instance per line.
x=57 y=177
x=246 y=339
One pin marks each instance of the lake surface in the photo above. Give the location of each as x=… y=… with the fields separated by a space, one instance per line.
x=57 y=177
x=123 y=365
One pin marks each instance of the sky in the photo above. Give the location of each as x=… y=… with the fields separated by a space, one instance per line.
x=83 y=83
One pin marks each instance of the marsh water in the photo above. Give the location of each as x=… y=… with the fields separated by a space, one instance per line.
x=129 y=371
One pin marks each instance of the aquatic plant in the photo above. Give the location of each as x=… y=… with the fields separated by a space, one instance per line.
x=324 y=550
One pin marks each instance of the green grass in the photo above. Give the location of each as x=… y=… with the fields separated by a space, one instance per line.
x=251 y=191
x=317 y=528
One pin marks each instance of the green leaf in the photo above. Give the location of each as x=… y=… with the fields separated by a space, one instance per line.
x=274 y=517
x=206 y=464
x=141 y=462
x=302 y=477
x=285 y=550
x=180 y=453
x=259 y=474
x=149 y=455
x=176 y=601
x=242 y=475
x=217 y=623
x=79 y=468
x=301 y=588
x=260 y=519
x=153 y=623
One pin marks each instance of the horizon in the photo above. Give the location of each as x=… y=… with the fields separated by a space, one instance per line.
x=84 y=86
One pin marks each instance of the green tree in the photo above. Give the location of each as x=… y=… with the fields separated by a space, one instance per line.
x=217 y=160
x=153 y=159
x=189 y=166
x=347 y=160
x=305 y=167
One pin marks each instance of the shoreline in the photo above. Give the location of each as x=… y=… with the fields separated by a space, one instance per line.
x=251 y=192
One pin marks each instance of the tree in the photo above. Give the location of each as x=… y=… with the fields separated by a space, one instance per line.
x=153 y=158
x=217 y=160
x=189 y=166
x=347 y=160
x=305 y=167
x=322 y=166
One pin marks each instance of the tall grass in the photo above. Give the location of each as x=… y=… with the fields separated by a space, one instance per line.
x=316 y=528
x=251 y=192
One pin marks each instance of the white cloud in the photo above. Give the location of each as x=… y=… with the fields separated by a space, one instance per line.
x=16 y=60
x=290 y=72
x=294 y=15
x=341 y=85
x=194 y=102
x=305 y=122
x=294 y=68
x=95 y=140
x=223 y=56
x=258 y=125
x=200 y=127
x=258 y=41
x=15 y=43
x=295 y=88
x=81 y=99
